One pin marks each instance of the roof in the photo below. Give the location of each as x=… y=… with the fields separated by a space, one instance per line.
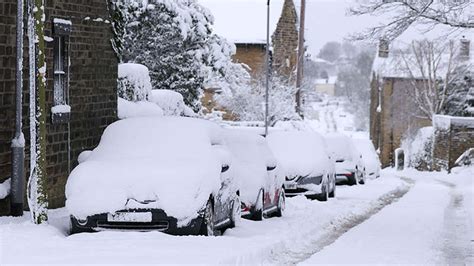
x=399 y=63
x=244 y=21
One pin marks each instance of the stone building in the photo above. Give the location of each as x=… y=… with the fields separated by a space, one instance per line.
x=80 y=33
x=394 y=114
x=245 y=24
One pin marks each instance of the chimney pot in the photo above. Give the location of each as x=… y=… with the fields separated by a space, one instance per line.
x=383 y=48
x=464 y=50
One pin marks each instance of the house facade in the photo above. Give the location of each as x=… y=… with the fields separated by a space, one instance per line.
x=81 y=74
x=394 y=113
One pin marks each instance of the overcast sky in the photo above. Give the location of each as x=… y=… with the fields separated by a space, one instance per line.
x=326 y=20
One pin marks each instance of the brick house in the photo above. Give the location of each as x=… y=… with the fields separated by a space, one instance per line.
x=394 y=113
x=80 y=33
x=244 y=24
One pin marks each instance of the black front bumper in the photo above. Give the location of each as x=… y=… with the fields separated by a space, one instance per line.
x=160 y=222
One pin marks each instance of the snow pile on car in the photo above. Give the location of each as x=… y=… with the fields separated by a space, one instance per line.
x=250 y=158
x=340 y=147
x=171 y=102
x=170 y=161
x=129 y=109
x=299 y=153
x=134 y=82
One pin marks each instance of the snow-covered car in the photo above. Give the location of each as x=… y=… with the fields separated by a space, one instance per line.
x=306 y=164
x=168 y=174
x=258 y=174
x=370 y=158
x=348 y=160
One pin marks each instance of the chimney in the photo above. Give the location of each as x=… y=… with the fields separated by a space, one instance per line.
x=383 y=48
x=464 y=49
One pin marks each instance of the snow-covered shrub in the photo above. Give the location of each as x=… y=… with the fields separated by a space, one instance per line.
x=171 y=103
x=133 y=82
x=5 y=188
x=419 y=149
x=128 y=109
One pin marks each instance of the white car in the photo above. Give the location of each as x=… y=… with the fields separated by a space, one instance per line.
x=305 y=161
x=370 y=157
x=349 y=164
x=167 y=174
x=258 y=174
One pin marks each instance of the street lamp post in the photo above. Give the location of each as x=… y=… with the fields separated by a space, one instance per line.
x=267 y=62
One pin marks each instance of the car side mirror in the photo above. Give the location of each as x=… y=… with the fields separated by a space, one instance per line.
x=225 y=168
x=271 y=168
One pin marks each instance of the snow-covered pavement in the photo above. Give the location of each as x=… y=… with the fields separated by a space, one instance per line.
x=289 y=239
x=431 y=224
x=388 y=220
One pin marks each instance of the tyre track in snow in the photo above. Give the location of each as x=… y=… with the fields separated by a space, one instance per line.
x=337 y=228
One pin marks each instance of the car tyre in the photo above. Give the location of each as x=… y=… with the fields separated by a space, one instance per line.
x=208 y=224
x=257 y=214
x=236 y=215
x=362 y=178
x=332 y=194
x=281 y=203
x=353 y=181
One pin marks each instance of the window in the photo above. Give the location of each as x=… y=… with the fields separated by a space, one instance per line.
x=61 y=109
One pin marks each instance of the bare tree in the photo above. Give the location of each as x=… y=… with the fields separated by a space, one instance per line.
x=431 y=68
x=457 y=14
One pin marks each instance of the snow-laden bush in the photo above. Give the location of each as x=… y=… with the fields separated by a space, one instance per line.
x=129 y=109
x=171 y=102
x=133 y=82
x=419 y=149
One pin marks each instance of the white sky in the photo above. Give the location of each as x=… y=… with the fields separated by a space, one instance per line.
x=326 y=20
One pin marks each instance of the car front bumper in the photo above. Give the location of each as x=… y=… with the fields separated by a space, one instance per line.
x=160 y=222
x=308 y=186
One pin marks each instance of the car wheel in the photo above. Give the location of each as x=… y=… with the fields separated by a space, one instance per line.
x=332 y=194
x=208 y=225
x=281 y=203
x=362 y=178
x=324 y=195
x=76 y=228
x=236 y=214
x=257 y=214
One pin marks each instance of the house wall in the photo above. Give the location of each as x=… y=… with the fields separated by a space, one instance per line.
x=285 y=41
x=399 y=116
x=325 y=88
x=452 y=137
x=252 y=55
x=92 y=88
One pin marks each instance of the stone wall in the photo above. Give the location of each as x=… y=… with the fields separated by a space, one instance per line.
x=252 y=55
x=92 y=88
x=452 y=137
x=285 y=41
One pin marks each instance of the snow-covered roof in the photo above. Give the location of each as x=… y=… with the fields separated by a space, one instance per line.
x=401 y=61
x=244 y=21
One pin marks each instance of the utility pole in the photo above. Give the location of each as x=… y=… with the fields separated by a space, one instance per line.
x=300 y=66
x=267 y=68
x=18 y=143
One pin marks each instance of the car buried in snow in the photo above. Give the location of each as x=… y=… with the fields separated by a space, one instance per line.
x=256 y=169
x=348 y=160
x=370 y=158
x=306 y=164
x=168 y=174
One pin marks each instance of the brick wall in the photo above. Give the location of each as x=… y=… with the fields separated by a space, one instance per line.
x=452 y=137
x=253 y=55
x=285 y=41
x=92 y=88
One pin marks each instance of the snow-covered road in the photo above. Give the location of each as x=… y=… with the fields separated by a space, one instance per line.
x=431 y=224
x=386 y=220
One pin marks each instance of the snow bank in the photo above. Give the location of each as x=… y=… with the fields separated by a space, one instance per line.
x=134 y=82
x=251 y=156
x=171 y=102
x=128 y=109
x=5 y=188
x=168 y=160
x=418 y=148
x=300 y=153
